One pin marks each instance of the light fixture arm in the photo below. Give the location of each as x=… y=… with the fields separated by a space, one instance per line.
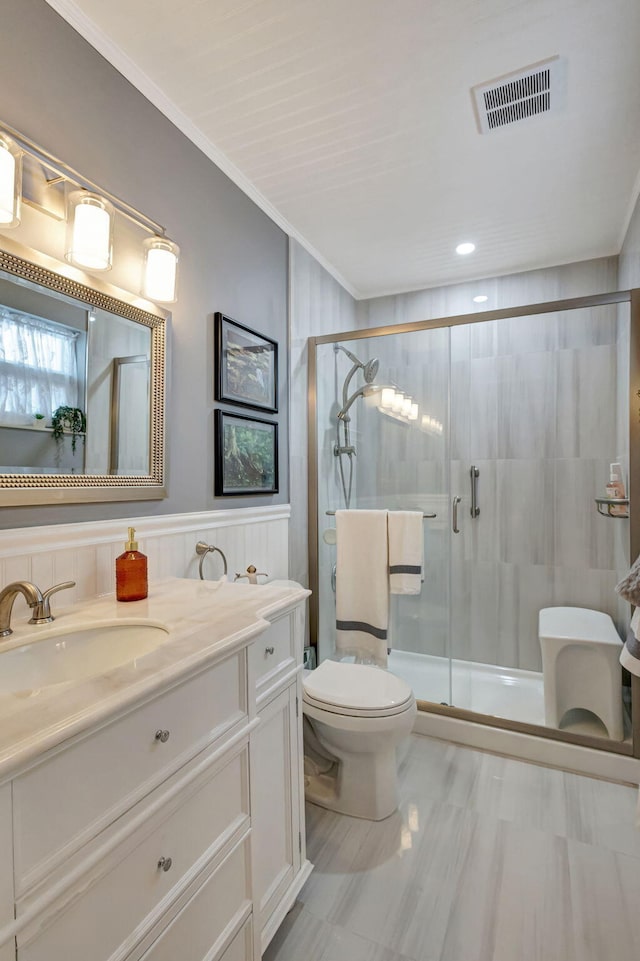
x=63 y=172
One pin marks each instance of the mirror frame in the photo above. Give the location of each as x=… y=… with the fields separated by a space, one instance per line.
x=26 y=489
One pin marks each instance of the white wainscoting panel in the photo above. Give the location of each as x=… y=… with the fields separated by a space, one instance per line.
x=86 y=553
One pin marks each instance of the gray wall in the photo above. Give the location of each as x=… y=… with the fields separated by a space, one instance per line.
x=62 y=94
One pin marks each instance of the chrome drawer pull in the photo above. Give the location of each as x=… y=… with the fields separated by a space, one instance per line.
x=164 y=864
x=162 y=736
x=269 y=650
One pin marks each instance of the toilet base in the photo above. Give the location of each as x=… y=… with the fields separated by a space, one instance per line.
x=351 y=763
x=369 y=790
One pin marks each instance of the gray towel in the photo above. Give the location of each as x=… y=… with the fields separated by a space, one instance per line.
x=629 y=586
x=632 y=644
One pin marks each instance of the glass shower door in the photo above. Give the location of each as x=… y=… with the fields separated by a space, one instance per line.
x=390 y=450
x=539 y=408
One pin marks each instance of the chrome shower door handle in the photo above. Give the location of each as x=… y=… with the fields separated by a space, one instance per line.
x=454 y=515
x=474 y=473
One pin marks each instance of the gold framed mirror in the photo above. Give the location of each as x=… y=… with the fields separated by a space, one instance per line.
x=61 y=344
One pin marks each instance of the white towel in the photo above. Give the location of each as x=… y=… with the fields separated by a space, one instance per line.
x=362 y=585
x=406 y=551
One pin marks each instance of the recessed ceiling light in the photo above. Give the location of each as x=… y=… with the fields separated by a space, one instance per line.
x=480 y=299
x=466 y=248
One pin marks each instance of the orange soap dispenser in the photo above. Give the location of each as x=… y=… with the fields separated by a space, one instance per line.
x=131 y=572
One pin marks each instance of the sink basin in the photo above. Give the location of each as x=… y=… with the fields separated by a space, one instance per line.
x=74 y=655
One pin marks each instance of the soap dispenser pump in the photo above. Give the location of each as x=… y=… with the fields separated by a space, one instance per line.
x=131 y=572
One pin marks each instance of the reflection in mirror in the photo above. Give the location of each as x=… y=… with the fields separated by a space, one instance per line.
x=129 y=452
x=79 y=350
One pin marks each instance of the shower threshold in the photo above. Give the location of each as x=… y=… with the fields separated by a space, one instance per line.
x=488 y=689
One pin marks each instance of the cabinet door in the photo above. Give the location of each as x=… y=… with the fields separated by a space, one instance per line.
x=274 y=803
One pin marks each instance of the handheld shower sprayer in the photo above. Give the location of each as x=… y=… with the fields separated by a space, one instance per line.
x=344 y=447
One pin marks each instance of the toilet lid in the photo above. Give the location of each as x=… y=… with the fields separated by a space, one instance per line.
x=356 y=687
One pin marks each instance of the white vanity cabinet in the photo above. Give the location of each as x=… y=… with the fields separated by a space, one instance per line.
x=173 y=829
x=280 y=867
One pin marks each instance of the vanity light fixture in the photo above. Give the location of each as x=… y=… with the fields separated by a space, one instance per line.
x=160 y=270
x=90 y=213
x=89 y=231
x=10 y=182
x=465 y=248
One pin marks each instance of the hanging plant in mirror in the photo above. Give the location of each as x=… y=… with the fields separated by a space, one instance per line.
x=70 y=420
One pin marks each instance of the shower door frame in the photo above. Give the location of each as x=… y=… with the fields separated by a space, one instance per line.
x=632 y=297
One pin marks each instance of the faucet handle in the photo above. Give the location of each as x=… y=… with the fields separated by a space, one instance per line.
x=42 y=611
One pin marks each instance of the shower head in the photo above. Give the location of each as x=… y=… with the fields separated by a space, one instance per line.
x=370 y=369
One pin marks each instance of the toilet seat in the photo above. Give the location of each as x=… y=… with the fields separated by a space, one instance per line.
x=356 y=690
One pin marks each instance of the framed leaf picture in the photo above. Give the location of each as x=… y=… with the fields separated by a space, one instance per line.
x=246 y=453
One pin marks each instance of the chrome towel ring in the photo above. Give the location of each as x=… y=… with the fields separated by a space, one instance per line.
x=203 y=549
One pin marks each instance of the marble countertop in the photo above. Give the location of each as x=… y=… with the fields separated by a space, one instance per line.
x=205 y=620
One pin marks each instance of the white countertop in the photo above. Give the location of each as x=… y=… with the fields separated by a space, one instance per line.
x=206 y=619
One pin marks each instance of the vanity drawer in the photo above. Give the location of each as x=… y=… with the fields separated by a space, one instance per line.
x=273 y=653
x=192 y=935
x=64 y=801
x=110 y=913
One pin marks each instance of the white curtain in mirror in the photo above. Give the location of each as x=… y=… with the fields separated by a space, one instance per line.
x=38 y=365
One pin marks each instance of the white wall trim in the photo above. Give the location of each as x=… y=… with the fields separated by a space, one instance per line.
x=35 y=540
x=87 y=29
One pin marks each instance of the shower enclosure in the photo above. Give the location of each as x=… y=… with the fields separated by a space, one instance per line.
x=500 y=427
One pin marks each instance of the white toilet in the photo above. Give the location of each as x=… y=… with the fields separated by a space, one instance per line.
x=356 y=716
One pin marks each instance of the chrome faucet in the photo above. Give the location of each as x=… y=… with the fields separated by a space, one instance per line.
x=42 y=611
x=36 y=600
x=31 y=594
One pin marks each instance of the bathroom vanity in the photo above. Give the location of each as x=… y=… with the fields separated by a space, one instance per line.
x=155 y=810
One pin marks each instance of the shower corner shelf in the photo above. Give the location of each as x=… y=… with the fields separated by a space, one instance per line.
x=605 y=505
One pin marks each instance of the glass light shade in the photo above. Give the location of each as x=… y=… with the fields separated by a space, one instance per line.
x=386 y=399
x=10 y=182
x=406 y=406
x=413 y=413
x=89 y=231
x=398 y=398
x=160 y=272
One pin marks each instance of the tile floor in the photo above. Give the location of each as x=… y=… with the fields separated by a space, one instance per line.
x=487 y=859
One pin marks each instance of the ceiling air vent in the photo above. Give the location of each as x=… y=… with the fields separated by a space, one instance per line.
x=539 y=88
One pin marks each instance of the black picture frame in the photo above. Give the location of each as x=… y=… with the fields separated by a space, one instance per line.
x=246 y=455
x=246 y=366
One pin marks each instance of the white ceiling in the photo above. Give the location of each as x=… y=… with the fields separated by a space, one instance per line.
x=351 y=122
